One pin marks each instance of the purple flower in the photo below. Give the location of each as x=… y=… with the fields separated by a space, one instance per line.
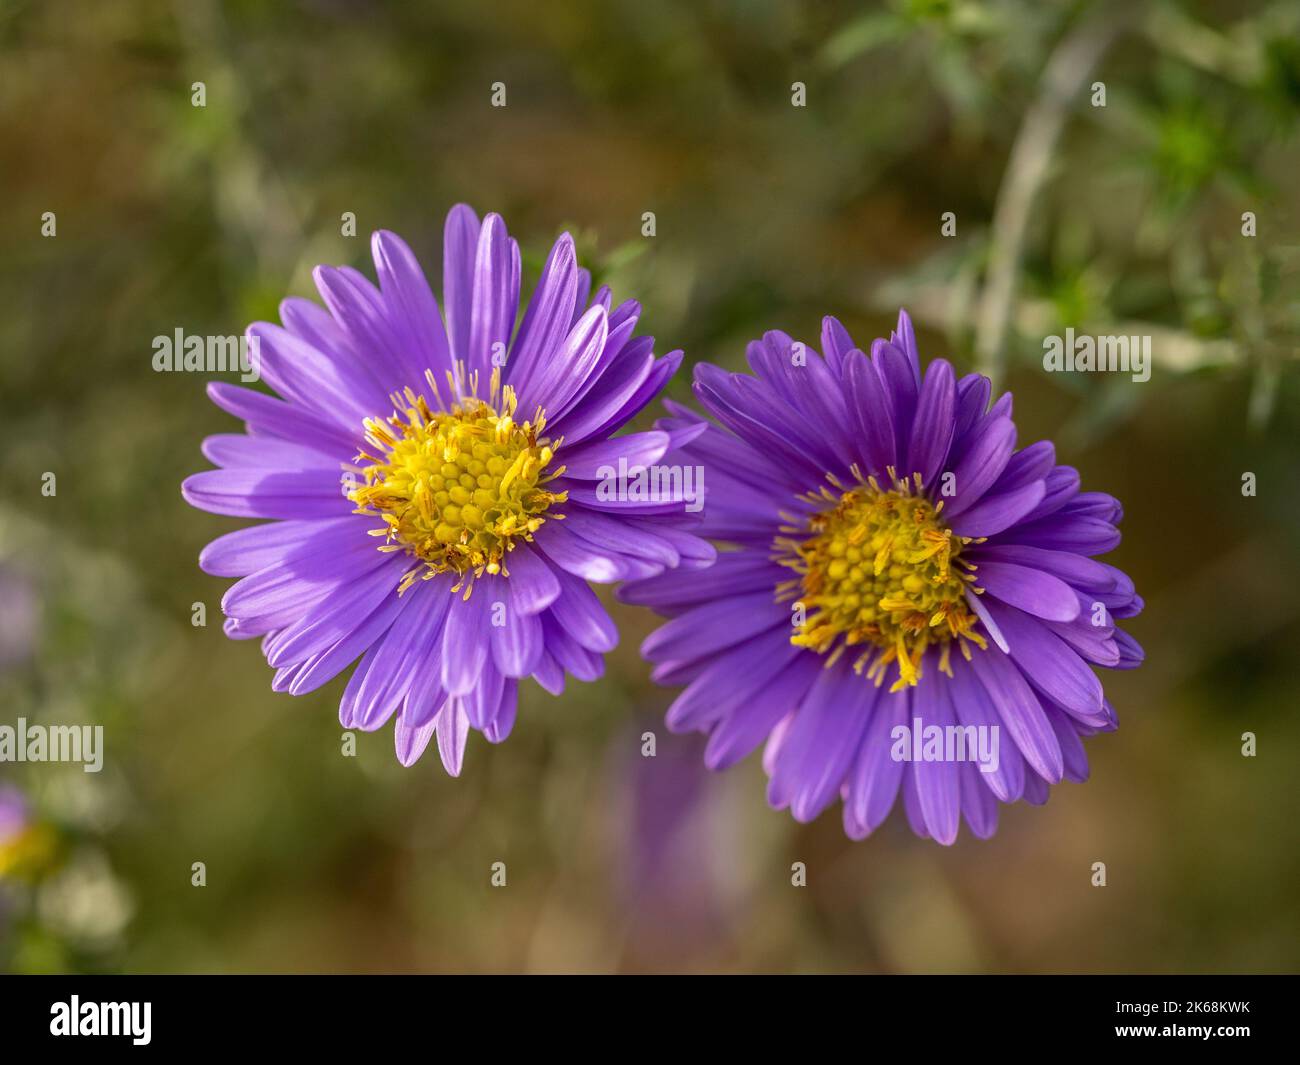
x=19 y=837
x=14 y=817
x=19 y=616
x=939 y=583
x=672 y=873
x=417 y=468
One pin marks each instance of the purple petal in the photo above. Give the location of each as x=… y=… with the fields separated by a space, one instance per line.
x=821 y=743
x=614 y=416
x=633 y=375
x=1076 y=569
x=995 y=513
x=481 y=703
x=411 y=742
x=587 y=461
x=738 y=733
x=581 y=615
x=1082 y=536
x=275 y=417
x=731 y=678
x=1031 y=590
x=873 y=784
x=495 y=295
x=978 y=805
x=707 y=629
x=533 y=584
x=1021 y=712
x=547 y=320
x=412 y=636
x=901 y=384
x=359 y=309
x=873 y=411
x=576 y=359
x=836 y=343
x=578 y=556
x=459 y=248
x=310 y=379
x=973 y=393
x=331 y=619
x=411 y=302
x=465 y=642
x=1027 y=465
x=973 y=707
x=1051 y=665
x=324 y=667
x=517 y=645
x=254 y=493
x=500 y=726
x=265 y=452
x=734 y=573
x=933 y=426
x=937 y=783
x=982 y=464
x=1076 y=759
x=245 y=551
x=453 y=729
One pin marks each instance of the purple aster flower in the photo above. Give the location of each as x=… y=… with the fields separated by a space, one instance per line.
x=431 y=477
x=903 y=584
x=22 y=842
x=672 y=873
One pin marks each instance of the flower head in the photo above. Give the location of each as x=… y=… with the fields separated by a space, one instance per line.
x=903 y=588
x=24 y=842
x=430 y=475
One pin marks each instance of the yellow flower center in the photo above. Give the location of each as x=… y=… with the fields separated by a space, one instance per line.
x=457 y=486
x=878 y=567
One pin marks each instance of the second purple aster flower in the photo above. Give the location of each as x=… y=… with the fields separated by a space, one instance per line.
x=898 y=575
x=430 y=477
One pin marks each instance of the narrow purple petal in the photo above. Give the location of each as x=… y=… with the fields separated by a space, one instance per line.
x=821 y=743
x=875 y=779
x=982 y=464
x=255 y=493
x=459 y=248
x=995 y=513
x=937 y=782
x=1021 y=712
x=933 y=426
x=465 y=640
x=411 y=302
x=547 y=320
x=495 y=299
x=453 y=730
x=582 y=616
x=1032 y=590
x=533 y=584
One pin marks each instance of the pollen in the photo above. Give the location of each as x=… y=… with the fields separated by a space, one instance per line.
x=458 y=486
x=880 y=575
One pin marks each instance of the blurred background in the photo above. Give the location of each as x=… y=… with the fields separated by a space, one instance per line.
x=1123 y=218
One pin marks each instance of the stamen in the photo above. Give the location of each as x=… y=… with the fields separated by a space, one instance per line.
x=877 y=567
x=457 y=486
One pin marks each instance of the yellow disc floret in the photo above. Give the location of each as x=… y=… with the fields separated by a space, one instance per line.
x=878 y=567
x=457 y=486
